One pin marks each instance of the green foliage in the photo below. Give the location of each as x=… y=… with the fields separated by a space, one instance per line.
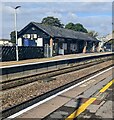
x=52 y=21
x=79 y=27
x=13 y=37
x=76 y=27
x=70 y=26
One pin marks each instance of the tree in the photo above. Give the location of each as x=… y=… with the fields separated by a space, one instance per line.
x=70 y=26
x=52 y=21
x=76 y=27
x=80 y=27
x=93 y=33
x=13 y=37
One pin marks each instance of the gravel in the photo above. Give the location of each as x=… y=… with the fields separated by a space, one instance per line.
x=23 y=93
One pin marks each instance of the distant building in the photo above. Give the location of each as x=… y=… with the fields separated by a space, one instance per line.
x=5 y=42
x=108 y=42
x=56 y=41
x=101 y=43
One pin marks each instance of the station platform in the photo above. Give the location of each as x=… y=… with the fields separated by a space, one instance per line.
x=20 y=69
x=43 y=60
x=93 y=99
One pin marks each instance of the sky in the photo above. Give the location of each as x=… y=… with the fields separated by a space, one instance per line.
x=92 y=14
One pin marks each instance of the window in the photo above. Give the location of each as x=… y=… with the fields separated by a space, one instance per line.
x=33 y=36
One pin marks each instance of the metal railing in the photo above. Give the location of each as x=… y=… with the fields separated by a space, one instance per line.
x=8 y=53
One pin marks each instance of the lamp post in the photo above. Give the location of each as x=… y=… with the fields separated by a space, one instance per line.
x=17 y=57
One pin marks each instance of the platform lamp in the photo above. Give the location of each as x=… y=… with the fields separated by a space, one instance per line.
x=17 y=56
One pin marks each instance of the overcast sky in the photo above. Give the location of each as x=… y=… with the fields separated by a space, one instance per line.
x=93 y=15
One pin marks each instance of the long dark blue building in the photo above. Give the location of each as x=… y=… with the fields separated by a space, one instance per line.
x=55 y=40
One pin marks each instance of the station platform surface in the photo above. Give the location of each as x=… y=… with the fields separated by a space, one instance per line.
x=96 y=101
x=59 y=57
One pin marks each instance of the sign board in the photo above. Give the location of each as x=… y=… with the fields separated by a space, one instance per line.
x=39 y=42
x=19 y=41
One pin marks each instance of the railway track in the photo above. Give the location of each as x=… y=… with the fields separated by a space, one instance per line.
x=13 y=109
x=7 y=84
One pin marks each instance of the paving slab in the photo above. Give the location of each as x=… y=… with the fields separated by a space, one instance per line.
x=45 y=109
x=72 y=103
x=93 y=108
x=59 y=114
x=106 y=110
x=96 y=87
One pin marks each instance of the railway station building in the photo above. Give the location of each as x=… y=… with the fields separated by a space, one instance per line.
x=56 y=41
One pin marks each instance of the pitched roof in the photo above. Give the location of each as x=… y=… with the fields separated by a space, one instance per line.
x=109 y=37
x=63 y=33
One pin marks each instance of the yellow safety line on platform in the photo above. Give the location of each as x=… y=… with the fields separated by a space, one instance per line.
x=107 y=86
x=83 y=107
